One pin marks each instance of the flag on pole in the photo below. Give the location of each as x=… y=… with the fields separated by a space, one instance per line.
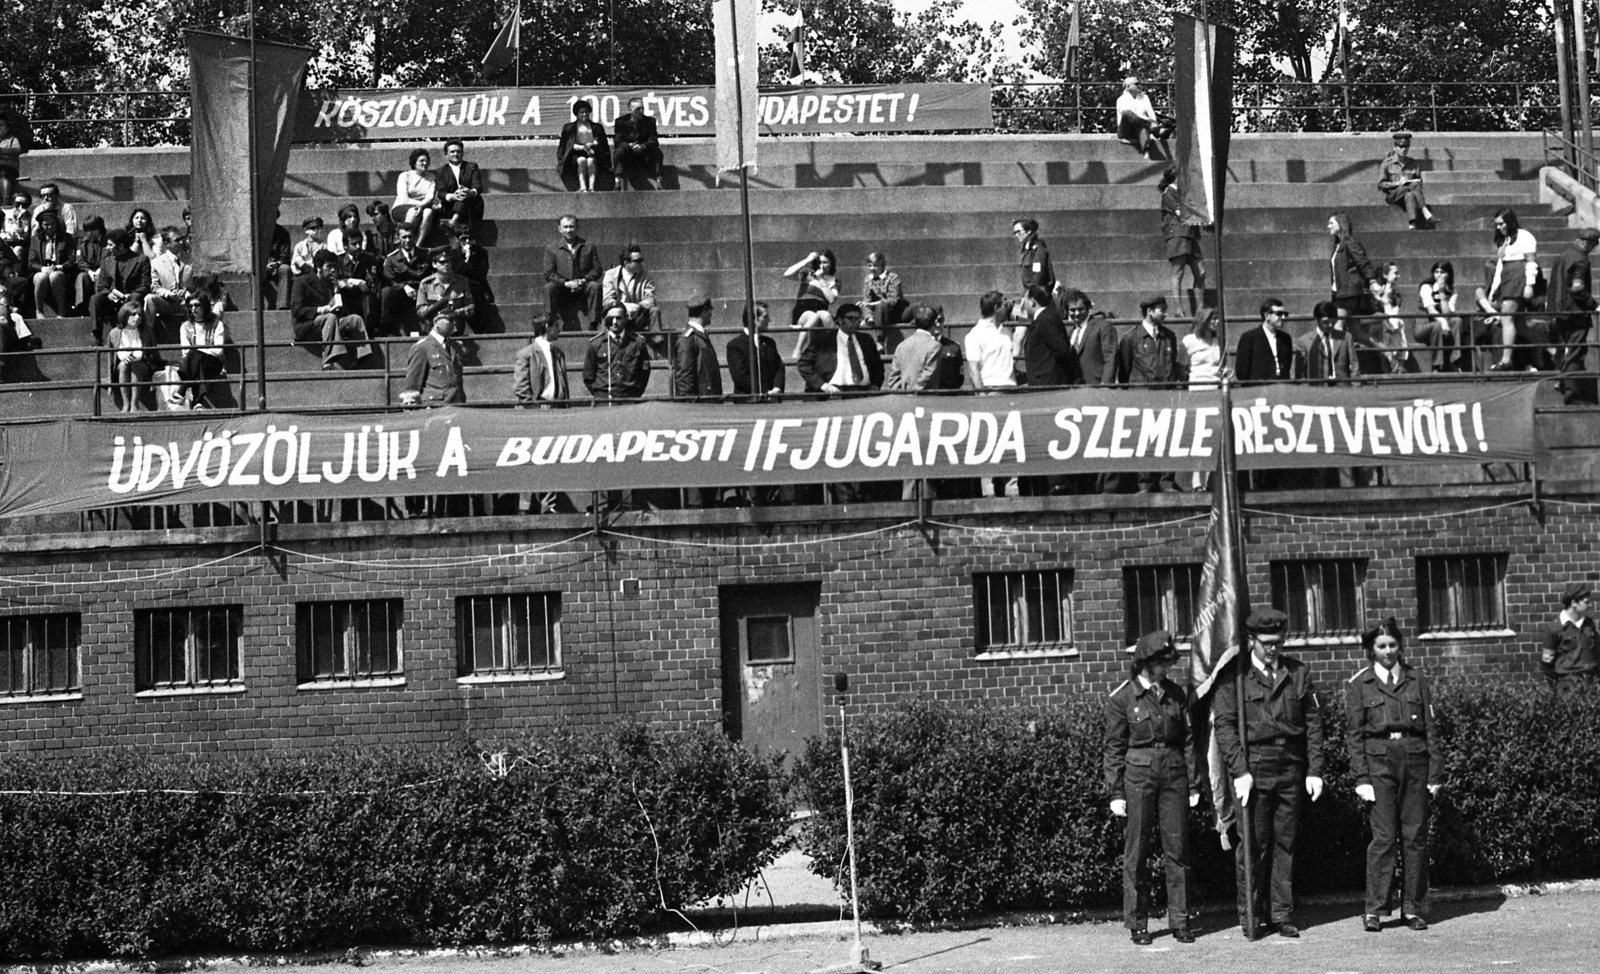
x=1203 y=95
x=1069 y=61
x=1218 y=635
x=733 y=24
x=797 y=47
x=503 y=52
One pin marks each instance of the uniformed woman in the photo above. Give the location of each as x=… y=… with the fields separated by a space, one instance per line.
x=1150 y=766
x=1398 y=764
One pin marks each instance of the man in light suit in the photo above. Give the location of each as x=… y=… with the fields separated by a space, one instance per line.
x=460 y=185
x=539 y=377
x=1266 y=353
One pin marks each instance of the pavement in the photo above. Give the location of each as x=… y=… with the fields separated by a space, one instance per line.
x=791 y=922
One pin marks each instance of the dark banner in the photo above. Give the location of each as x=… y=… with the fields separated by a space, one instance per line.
x=222 y=143
x=427 y=114
x=71 y=465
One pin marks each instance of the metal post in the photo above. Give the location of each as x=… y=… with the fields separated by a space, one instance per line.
x=744 y=214
x=1580 y=37
x=1564 y=82
x=255 y=230
x=1344 y=66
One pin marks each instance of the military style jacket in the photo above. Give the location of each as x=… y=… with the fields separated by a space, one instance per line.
x=1283 y=713
x=1141 y=720
x=1378 y=713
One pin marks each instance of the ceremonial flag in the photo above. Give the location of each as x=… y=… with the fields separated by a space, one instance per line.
x=507 y=45
x=1217 y=630
x=1203 y=92
x=222 y=139
x=1069 y=62
x=733 y=23
x=797 y=47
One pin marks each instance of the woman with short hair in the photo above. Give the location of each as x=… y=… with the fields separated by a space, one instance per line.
x=416 y=196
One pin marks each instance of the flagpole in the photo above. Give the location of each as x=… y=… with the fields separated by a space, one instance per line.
x=516 y=76
x=255 y=228
x=744 y=211
x=1229 y=475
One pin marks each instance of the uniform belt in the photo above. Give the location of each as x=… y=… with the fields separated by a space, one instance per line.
x=1276 y=742
x=1392 y=735
x=1163 y=745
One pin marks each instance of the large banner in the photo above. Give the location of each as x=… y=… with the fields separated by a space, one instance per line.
x=427 y=114
x=71 y=465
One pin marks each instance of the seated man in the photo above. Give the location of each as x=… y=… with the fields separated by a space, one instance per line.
x=629 y=287
x=171 y=277
x=17 y=225
x=572 y=273
x=846 y=362
x=638 y=152
x=360 y=276
x=204 y=340
x=50 y=200
x=320 y=316
x=1138 y=125
x=472 y=263
x=445 y=292
x=124 y=277
x=460 y=188
x=92 y=250
x=1400 y=180
x=403 y=269
x=884 y=301
x=279 y=277
x=309 y=246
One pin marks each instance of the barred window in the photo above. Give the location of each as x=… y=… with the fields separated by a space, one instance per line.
x=499 y=635
x=1323 y=599
x=1461 y=593
x=196 y=646
x=40 y=654
x=1160 y=597
x=1019 y=611
x=348 y=640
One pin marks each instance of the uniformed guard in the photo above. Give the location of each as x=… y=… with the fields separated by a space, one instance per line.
x=1398 y=764
x=1283 y=727
x=1150 y=766
x=1569 y=657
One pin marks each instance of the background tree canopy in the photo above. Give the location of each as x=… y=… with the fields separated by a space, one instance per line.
x=1488 y=61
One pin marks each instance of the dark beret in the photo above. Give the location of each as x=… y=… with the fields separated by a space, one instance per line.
x=1266 y=622
x=1154 y=645
x=1399 y=134
x=1589 y=233
x=1575 y=591
x=1388 y=627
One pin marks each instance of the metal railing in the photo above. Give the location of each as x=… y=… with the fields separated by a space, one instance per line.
x=80 y=119
x=1572 y=158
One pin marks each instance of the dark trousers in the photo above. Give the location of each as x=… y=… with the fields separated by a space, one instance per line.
x=1157 y=793
x=399 y=312
x=1399 y=819
x=1273 y=816
x=586 y=300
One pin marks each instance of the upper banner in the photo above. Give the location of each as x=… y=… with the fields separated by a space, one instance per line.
x=72 y=465
x=506 y=113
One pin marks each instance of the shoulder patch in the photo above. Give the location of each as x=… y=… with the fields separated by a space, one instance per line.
x=1120 y=686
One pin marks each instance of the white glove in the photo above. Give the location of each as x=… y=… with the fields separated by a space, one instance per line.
x=1242 y=786
x=1434 y=789
x=1365 y=793
x=1194 y=799
x=1119 y=807
x=1314 y=787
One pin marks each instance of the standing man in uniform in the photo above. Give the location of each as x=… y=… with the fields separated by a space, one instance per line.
x=1569 y=659
x=1035 y=256
x=433 y=368
x=1283 y=728
x=1150 y=766
x=1398 y=764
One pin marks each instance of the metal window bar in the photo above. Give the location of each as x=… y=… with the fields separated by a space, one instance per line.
x=1160 y=597
x=1029 y=608
x=187 y=647
x=40 y=654
x=506 y=634
x=1322 y=598
x=349 y=640
x=1462 y=592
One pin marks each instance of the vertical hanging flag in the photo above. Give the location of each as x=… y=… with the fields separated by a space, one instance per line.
x=1217 y=631
x=1203 y=92
x=797 y=47
x=221 y=140
x=1069 y=61
x=733 y=23
x=507 y=44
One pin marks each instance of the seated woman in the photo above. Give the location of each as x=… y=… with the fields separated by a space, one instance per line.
x=133 y=359
x=92 y=251
x=416 y=197
x=1442 y=331
x=15 y=335
x=819 y=288
x=583 y=148
x=53 y=264
x=142 y=230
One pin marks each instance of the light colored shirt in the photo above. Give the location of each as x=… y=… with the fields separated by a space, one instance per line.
x=990 y=351
x=69 y=216
x=1205 y=362
x=549 y=390
x=204 y=338
x=843 y=374
x=1132 y=104
x=414 y=189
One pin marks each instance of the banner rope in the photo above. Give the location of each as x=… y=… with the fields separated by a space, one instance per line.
x=1260 y=512
x=1048 y=532
x=168 y=573
x=664 y=542
x=464 y=561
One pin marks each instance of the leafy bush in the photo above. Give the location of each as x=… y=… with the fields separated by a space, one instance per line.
x=963 y=812
x=590 y=835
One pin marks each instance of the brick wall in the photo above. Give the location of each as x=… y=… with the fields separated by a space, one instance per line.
x=896 y=608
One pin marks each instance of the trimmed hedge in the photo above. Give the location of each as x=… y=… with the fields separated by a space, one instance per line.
x=588 y=835
x=965 y=812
